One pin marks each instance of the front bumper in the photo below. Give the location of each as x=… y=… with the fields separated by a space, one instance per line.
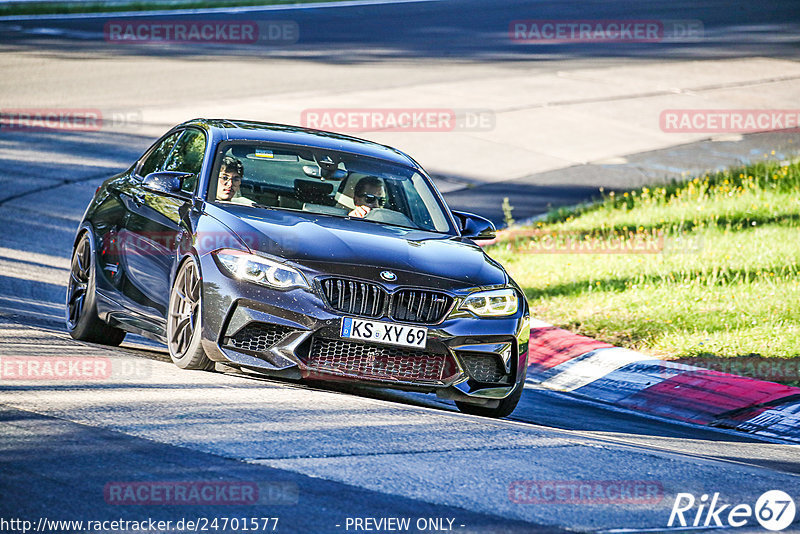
x=295 y=334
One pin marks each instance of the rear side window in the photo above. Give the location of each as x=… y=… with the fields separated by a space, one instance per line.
x=158 y=156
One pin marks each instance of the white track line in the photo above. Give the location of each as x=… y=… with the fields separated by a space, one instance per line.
x=230 y=10
x=536 y=323
x=596 y=366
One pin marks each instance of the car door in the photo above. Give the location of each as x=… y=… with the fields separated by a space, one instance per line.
x=155 y=220
x=118 y=255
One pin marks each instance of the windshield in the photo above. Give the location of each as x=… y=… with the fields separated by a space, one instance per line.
x=325 y=182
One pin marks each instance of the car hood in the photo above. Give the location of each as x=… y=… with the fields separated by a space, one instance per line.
x=363 y=249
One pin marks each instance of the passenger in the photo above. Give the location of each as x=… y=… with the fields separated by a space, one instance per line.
x=230 y=182
x=367 y=195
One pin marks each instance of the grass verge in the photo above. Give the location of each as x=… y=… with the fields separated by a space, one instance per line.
x=64 y=8
x=709 y=273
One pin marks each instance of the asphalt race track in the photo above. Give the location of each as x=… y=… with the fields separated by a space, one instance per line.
x=316 y=456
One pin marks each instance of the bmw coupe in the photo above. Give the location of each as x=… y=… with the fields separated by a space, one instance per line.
x=299 y=254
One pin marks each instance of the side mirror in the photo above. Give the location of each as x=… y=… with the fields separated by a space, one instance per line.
x=166 y=183
x=475 y=227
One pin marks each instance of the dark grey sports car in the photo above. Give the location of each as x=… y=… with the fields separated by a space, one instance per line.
x=302 y=254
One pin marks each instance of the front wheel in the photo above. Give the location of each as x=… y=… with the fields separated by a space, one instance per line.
x=503 y=409
x=184 y=319
x=83 y=323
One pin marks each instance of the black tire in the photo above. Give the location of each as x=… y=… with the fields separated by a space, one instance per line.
x=81 y=311
x=503 y=409
x=184 y=319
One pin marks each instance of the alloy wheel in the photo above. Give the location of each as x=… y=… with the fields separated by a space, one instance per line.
x=184 y=309
x=78 y=281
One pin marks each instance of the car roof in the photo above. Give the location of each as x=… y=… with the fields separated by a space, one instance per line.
x=231 y=129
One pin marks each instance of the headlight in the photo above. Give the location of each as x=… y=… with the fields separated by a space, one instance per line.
x=259 y=270
x=495 y=303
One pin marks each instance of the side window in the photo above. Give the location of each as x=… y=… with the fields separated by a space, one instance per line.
x=157 y=157
x=187 y=156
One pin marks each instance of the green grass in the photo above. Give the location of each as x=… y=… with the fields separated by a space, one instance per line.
x=60 y=8
x=725 y=286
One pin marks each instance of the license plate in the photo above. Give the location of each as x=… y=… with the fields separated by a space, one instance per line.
x=386 y=333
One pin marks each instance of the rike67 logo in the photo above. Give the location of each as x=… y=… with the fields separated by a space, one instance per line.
x=774 y=510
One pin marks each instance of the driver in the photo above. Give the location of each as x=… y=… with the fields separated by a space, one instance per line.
x=367 y=195
x=230 y=181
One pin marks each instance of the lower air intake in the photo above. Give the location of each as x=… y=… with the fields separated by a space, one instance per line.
x=483 y=367
x=258 y=337
x=381 y=363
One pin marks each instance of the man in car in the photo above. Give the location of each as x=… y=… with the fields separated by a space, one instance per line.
x=230 y=181
x=367 y=195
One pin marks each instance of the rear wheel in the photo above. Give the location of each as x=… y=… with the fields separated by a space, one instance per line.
x=82 y=320
x=184 y=319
